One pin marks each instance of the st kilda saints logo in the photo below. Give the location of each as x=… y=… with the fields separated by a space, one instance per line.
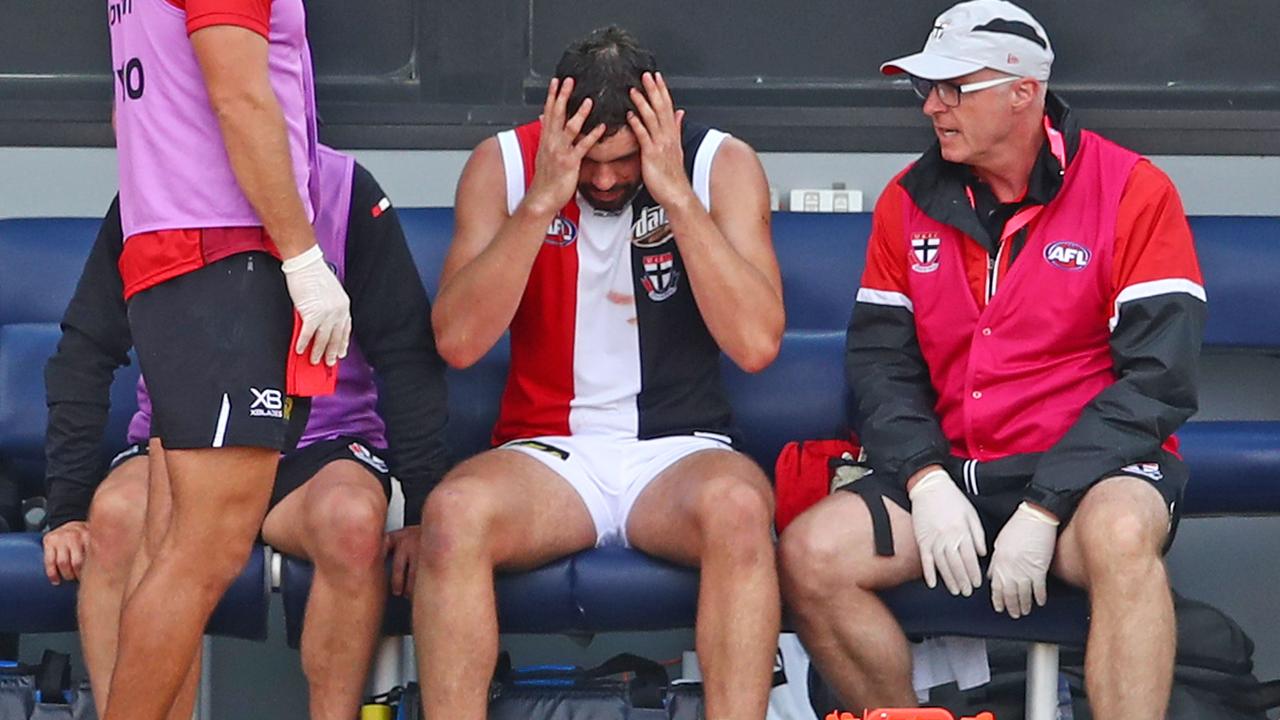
x=661 y=279
x=561 y=232
x=924 y=251
x=651 y=228
x=1066 y=255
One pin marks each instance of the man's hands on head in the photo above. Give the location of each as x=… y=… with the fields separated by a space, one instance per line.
x=65 y=549
x=561 y=149
x=1020 y=560
x=947 y=530
x=657 y=125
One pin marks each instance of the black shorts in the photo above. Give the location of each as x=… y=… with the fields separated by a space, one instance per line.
x=1000 y=485
x=134 y=450
x=213 y=345
x=299 y=466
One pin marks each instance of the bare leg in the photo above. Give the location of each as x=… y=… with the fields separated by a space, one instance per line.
x=830 y=573
x=115 y=533
x=122 y=507
x=1112 y=547
x=713 y=509
x=219 y=497
x=499 y=510
x=337 y=520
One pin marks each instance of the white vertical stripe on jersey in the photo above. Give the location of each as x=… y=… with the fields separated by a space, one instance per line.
x=513 y=163
x=702 y=165
x=606 y=349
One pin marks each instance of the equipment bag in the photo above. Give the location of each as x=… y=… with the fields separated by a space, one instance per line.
x=43 y=692
x=808 y=470
x=567 y=692
x=1213 y=669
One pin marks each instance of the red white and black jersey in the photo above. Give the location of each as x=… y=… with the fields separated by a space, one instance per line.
x=607 y=339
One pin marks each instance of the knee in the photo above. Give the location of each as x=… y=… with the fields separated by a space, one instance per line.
x=347 y=529
x=221 y=565
x=116 y=519
x=736 y=514
x=814 y=559
x=456 y=519
x=1116 y=534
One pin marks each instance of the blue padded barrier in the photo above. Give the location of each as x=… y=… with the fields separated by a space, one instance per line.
x=29 y=604
x=821 y=256
x=620 y=589
x=1237 y=256
x=1235 y=465
x=801 y=395
x=40 y=262
x=23 y=413
x=537 y=601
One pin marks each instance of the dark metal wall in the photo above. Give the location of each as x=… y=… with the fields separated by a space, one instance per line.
x=1164 y=76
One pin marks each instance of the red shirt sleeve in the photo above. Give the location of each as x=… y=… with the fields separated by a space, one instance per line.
x=1154 y=251
x=253 y=15
x=886 y=268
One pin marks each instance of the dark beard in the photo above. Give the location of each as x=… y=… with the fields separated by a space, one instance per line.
x=613 y=206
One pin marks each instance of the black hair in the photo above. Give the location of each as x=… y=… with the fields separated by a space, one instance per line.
x=605 y=65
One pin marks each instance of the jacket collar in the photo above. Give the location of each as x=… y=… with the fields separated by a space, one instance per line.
x=938 y=187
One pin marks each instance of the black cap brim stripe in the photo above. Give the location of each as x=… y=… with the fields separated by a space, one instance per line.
x=1014 y=27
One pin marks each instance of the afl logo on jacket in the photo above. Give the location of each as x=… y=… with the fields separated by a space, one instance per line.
x=1066 y=255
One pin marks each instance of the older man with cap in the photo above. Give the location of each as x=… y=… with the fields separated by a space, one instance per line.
x=1022 y=348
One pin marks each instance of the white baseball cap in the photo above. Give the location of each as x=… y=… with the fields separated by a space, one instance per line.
x=980 y=34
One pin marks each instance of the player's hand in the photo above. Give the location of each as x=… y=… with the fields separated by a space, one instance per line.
x=561 y=148
x=323 y=305
x=948 y=532
x=657 y=126
x=1020 y=561
x=402 y=548
x=65 y=549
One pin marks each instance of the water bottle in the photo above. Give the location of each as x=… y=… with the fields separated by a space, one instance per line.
x=1065 y=711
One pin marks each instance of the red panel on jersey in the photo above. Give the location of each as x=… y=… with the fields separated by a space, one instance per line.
x=150 y=258
x=254 y=15
x=540 y=383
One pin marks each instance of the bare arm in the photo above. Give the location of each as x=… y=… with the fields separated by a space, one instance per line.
x=234 y=63
x=489 y=261
x=492 y=254
x=728 y=252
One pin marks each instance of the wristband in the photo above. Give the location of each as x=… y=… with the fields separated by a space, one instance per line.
x=932 y=477
x=304 y=259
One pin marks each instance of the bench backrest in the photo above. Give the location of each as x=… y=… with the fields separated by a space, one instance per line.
x=801 y=395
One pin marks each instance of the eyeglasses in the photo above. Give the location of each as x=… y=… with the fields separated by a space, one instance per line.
x=949 y=93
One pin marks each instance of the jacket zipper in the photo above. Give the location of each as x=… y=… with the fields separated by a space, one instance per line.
x=993 y=271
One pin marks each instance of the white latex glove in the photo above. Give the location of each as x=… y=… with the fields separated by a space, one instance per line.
x=323 y=305
x=948 y=532
x=1020 y=561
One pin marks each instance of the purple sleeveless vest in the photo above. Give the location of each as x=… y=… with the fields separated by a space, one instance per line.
x=352 y=408
x=174 y=169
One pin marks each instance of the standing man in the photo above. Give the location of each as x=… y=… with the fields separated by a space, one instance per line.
x=328 y=503
x=625 y=249
x=1023 y=346
x=215 y=133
